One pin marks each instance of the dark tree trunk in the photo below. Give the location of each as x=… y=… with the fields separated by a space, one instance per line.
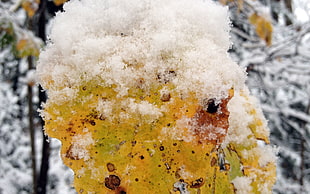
x=31 y=118
x=43 y=176
x=32 y=131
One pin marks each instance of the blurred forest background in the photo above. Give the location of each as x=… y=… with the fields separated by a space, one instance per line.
x=271 y=40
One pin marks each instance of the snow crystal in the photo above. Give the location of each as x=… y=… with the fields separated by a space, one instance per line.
x=79 y=146
x=144 y=108
x=243 y=185
x=104 y=107
x=266 y=154
x=239 y=120
x=181 y=186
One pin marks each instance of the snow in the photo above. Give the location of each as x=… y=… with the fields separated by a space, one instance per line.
x=182 y=187
x=301 y=10
x=238 y=120
x=161 y=35
x=79 y=146
x=265 y=154
x=145 y=108
x=243 y=185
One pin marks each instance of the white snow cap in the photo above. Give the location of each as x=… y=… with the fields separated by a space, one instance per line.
x=120 y=41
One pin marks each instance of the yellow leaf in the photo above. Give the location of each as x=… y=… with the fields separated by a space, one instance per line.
x=30 y=6
x=27 y=47
x=263 y=27
x=136 y=153
x=225 y=2
x=21 y=44
x=59 y=2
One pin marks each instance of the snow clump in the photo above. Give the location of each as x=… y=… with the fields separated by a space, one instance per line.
x=190 y=38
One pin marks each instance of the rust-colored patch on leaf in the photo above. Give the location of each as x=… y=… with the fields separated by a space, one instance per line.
x=210 y=122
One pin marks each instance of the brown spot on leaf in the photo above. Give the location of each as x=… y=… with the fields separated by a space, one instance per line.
x=227 y=166
x=165 y=97
x=102 y=117
x=140 y=82
x=197 y=183
x=213 y=161
x=112 y=182
x=111 y=167
x=92 y=122
x=177 y=173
